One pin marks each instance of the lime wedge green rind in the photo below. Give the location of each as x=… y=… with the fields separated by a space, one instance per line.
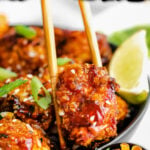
x=134 y=98
x=117 y=38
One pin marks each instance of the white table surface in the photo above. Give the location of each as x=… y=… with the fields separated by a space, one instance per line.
x=107 y=17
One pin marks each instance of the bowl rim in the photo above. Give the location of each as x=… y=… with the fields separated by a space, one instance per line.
x=135 y=120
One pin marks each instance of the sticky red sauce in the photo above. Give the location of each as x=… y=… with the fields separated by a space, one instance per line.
x=86 y=94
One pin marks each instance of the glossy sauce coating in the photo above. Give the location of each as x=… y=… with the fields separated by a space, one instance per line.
x=21 y=103
x=86 y=99
x=87 y=103
x=24 y=55
x=75 y=45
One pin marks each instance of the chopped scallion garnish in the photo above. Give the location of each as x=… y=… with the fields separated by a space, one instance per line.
x=11 y=86
x=25 y=31
x=63 y=61
x=44 y=101
x=5 y=74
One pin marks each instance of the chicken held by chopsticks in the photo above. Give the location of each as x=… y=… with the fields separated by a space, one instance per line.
x=87 y=103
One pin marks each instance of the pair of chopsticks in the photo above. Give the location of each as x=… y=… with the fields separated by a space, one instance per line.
x=51 y=49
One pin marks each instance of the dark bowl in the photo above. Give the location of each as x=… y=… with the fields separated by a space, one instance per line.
x=116 y=146
x=126 y=128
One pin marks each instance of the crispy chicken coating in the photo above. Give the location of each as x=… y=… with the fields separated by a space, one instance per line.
x=22 y=104
x=20 y=54
x=24 y=55
x=88 y=107
x=87 y=103
x=122 y=108
x=16 y=135
x=75 y=45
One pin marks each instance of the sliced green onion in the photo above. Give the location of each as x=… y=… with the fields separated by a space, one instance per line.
x=5 y=74
x=11 y=86
x=63 y=61
x=25 y=31
x=44 y=101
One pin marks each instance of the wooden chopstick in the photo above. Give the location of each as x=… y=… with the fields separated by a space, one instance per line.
x=92 y=40
x=52 y=59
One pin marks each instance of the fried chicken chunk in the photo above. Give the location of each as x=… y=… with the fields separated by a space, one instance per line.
x=16 y=135
x=20 y=54
x=24 y=55
x=21 y=103
x=75 y=45
x=123 y=109
x=87 y=103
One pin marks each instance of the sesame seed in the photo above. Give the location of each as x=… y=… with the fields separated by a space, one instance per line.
x=41 y=69
x=42 y=56
x=18 y=66
x=39 y=143
x=14 y=120
x=24 y=94
x=94 y=124
x=49 y=90
x=29 y=127
x=108 y=102
x=61 y=113
x=8 y=80
x=103 y=126
x=1 y=124
x=16 y=91
x=28 y=99
x=73 y=71
x=40 y=75
x=32 y=54
x=25 y=99
x=29 y=76
x=12 y=138
x=92 y=118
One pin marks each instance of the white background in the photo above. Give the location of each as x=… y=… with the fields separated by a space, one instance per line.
x=107 y=17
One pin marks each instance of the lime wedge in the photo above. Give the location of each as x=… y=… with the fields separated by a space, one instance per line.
x=128 y=67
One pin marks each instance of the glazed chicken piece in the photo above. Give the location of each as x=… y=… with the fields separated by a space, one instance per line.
x=75 y=45
x=20 y=54
x=16 y=135
x=87 y=103
x=122 y=108
x=21 y=103
x=24 y=55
